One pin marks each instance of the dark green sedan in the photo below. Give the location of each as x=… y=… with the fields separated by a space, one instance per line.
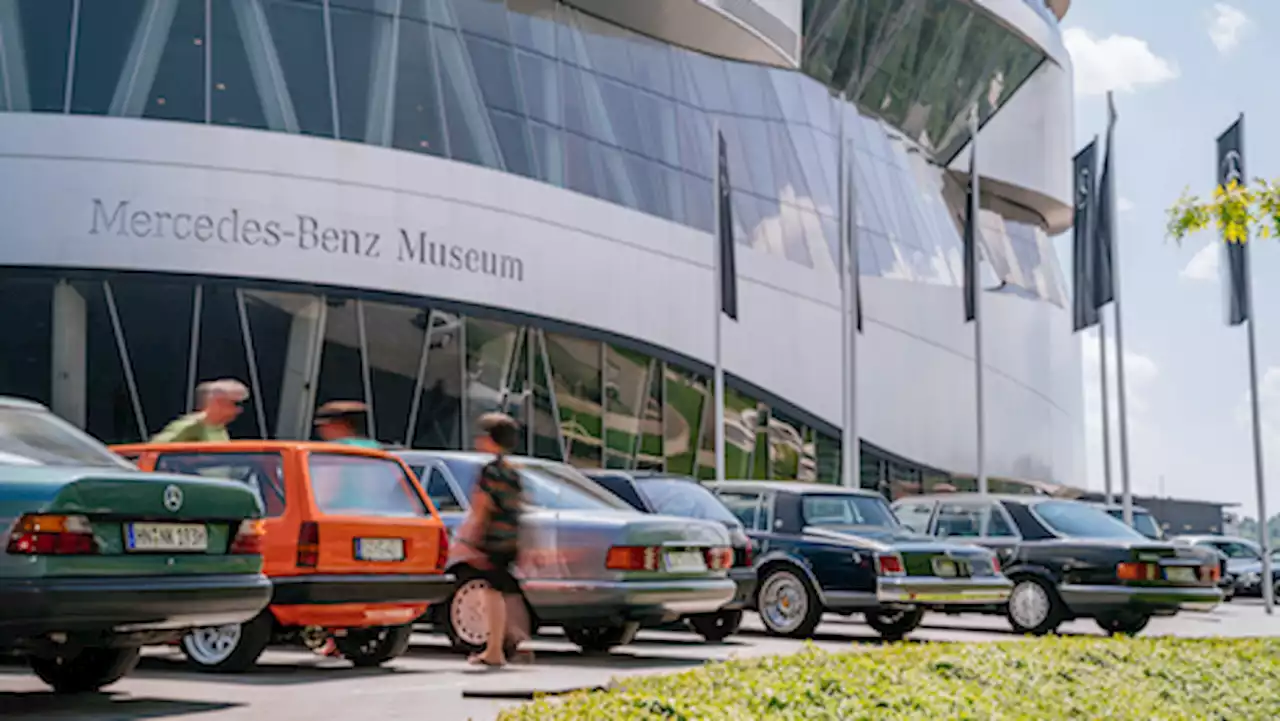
x=100 y=559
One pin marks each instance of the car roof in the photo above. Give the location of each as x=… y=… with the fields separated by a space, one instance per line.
x=1015 y=497
x=15 y=402
x=799 y=487
x=1115 y=506
x=1193 y=537
x=247 y=446
x=472 y=456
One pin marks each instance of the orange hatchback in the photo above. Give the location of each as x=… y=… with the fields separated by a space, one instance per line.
x=354 y=548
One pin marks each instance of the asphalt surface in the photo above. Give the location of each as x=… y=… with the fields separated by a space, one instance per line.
x=430 y=682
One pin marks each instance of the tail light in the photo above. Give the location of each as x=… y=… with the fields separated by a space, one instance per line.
x=889 y=564
x=249 y=538
x=309 y=545
x=633 y=558
x=442 y=549
x=52 y=535
x=995 y=565
x=1137 y=571
x=744 y=556
x=1210 y=574
x=719 y=558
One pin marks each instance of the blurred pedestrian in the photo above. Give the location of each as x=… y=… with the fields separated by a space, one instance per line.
x=217 y=405
x=493 y=530
x=345 y=422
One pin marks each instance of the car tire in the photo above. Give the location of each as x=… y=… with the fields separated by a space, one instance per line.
x=1123 y=624
x=894 y=625
x=369 y=647
x=1034 y=606
x=602 y=639
x=229 y=649
x=716 y=626
x=86 y=671
x=788 y=604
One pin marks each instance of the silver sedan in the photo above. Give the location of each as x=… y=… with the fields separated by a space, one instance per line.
x=588 y=562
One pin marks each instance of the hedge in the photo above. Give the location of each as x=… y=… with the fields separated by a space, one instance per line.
x=1049 y=678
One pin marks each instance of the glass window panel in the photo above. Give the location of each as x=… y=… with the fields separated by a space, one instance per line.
x=699 y=203
x=37 y=34
x=651 y=65
x=546 y=422
x=439 y=422
x=394 y=340
x=790 y=96
x=819 y=105
x=828 y=452
x=747 y=228
x=540 y=82
x=804 y=140
x=747 y=83
x=419 y=122
x=915 y=515
x=283 y=329
x=385 y=7
x=513 y=138
x=156 y=321
x=495 y=74
x=491 y=361
x=576 y=113
x=361 y=51
x=221 y=353
x=356 y=485
x=440 y=492
x=607 y=47
x=178 y=90
x=694 y=137
x=621 y=116
x=27 y=370
x=580 y=170
x=533 y=24
x=548 y=146
x=742 y=419
x=263 y=472
x=959 y=520
x=470 y=137
x=646 y=181
x=575 y=373
x=871 y=472
x=756 y=141
x=791 y=458
x=794 y=243
x=107 y=31
x=626 y=392
x=297 y=31
x=710 y=84
x=686 y=397
x=341 y=371
x=903 y=480
x=235 y=94
x=744 y=506
x=482 y=17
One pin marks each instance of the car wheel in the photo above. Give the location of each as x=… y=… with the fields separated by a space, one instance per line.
x=368 y=647
x=1034 y=607
x=465 y=621
x=234 y=648
x=88 y=670
x=601 y=639
x=895 y=625
x=1123 y=624
x=788 y=604
x=716 y=626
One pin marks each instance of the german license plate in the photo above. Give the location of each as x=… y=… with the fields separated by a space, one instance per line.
x=188 y=537
x=686 y=561
x=1180 y=574
x=380 y=549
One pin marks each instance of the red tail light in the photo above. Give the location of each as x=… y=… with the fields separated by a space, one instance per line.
x=889 y=564
x=633 y=558
x=995 y=564
x=719 y=558
x=748 y=555
x=442 y=549
x=309 y=545
x=1210 y=574
x=52 y=535
x=249 y=539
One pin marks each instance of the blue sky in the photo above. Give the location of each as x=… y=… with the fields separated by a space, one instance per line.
x=1182 y=71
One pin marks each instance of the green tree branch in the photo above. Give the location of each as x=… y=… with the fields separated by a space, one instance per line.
x=1238 y=211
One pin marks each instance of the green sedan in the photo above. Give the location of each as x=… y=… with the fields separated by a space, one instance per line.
x=101 y=559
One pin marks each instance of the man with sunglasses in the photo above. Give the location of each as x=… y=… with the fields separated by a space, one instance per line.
x=217 y=405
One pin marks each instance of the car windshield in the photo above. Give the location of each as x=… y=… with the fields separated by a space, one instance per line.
x=847 y=510
x=36 y=437
x=1082 y=521
x=687 y=499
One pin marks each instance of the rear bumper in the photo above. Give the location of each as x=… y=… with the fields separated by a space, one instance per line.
x=1091 y=600
x=555 y=600
x=117 y=606
x=938 y=591
x=325 y=589
x=744 y=591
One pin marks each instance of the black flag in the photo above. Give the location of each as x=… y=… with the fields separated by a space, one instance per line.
x=724 y=233
x=1235 y=255
x=1104 y=287
x=1085 y=311
x=971 y=240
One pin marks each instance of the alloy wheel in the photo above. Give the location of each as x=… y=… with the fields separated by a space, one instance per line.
x=783 y=602
x=1029 y=604
x=213 y=645
x=467 y=612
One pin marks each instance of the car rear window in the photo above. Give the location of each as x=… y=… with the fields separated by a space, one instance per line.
x=846 y=510
x=36 y=437
x=687 y=499
x=1082 y=521
x=362 y=486
x=263 y=472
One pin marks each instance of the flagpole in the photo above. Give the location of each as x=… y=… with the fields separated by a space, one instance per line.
x=1106 y=410
x=851 y=467
x=718 y=376
x=1264 y=535
x=1126 y=487
x=975 y=200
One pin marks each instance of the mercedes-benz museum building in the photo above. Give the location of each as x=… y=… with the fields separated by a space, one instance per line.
x=446 y=207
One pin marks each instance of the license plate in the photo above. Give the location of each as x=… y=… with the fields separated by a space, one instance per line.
x=188 y=537
x=948 y=568
x=686 y=561
x=1178 y=574
x=380 y=549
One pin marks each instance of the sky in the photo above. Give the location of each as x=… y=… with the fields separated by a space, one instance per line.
x=1182 y=72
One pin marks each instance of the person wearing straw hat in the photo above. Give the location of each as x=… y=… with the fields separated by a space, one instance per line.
x=344 y=422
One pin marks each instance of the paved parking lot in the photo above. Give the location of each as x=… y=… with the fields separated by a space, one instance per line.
x=429 y=682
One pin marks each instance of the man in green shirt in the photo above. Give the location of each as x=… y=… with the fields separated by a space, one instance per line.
x=217 y=405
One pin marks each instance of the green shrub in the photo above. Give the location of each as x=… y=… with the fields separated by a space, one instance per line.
x=1049 y=678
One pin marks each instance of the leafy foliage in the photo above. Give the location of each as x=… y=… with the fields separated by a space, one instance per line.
x=1054 y=677
x=1235 y=209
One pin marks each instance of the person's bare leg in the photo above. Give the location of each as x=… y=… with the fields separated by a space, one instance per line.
x=496 y=608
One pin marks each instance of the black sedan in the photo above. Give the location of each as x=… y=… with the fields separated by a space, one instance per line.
x=1071 y=560
x=681 y=496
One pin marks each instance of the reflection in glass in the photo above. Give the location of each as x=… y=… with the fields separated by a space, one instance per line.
x=177 y=92
x=418 y=124
x=547 y=441
x=35 y=37
x=686 y=397
x=222 y=353
x=491 y=362
x=394 y=341
x=341 y=375
x=101 y=54
x=155 y=319
x=27 y=369
x=575 y=373
x=362 y=47
x=627 y=381
x=792 y=453
x=285 y=330
x=828 y=453
x=298 y=35
x=438 y=421
x=235 y=92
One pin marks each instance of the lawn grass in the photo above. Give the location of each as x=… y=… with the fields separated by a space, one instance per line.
x=1049 y=678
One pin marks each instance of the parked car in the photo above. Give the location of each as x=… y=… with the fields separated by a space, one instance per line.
x=681 y=496
x=1143 y=521
x=101 y=559
x=354 y=551
x=588 y=562
x=825 y=548
x=1069 y=560
x=1244 y=561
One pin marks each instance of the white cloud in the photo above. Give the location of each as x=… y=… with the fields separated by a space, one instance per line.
x=1124 y=205
x=1203 y=266
x=1116 y=62
x=1227 y=25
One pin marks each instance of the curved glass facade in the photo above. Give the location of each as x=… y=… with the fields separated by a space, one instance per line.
x=541 y=90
